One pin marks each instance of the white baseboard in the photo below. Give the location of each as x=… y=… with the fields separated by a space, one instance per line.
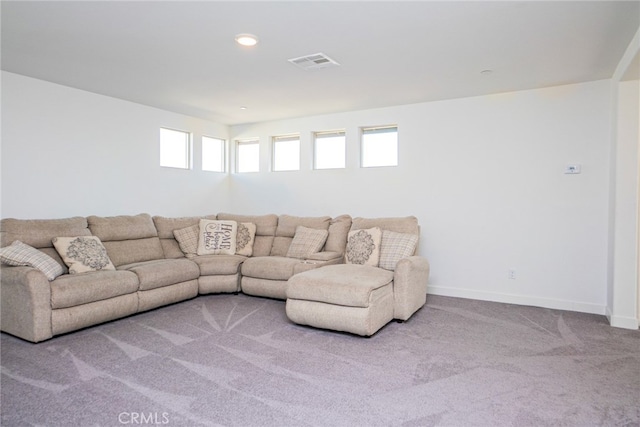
x=622 y=322
x=556 y=304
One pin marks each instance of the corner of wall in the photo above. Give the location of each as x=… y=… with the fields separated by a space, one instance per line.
x=623 y=264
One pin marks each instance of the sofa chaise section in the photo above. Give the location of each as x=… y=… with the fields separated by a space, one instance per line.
x=359 y=298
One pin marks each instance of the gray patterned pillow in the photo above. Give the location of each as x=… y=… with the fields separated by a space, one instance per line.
x=306 y=241
x=83 y=254
x=394 y=247
x=187 y=239
x=21 y=254
x=363 y=246
x=245 y=237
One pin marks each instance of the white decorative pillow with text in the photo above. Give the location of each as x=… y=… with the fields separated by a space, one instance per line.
x=363 y=246
x=217 y=237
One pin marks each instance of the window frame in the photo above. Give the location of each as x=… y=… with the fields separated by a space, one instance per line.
x=284 y=138
x=223 y=157
x=328 y=134
x=188 y=154
x=369 y=130
x=246 y=142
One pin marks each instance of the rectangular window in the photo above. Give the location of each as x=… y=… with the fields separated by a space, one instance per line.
x=329 y=150
x=213 y=154
x=379 y=146
x=248 y=156
x=286 y=153
x=175 y=148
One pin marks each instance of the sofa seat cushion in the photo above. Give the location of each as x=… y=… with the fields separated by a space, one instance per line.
x=270 y=267
x=348 y=285
x=211 y=265
x=163 y=272
x=71 y=290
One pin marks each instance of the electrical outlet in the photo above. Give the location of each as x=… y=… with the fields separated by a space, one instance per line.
x=511 y=274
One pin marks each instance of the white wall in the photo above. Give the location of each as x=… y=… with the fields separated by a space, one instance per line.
x=69 y=152
x=485 y=178
x=483 y=175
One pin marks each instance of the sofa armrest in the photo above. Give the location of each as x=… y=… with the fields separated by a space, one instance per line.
x=26 y=303
x=325 y=256
x=410 y=286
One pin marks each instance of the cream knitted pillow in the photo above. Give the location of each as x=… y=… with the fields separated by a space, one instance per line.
x=306 y=241
x=21 y=254
x=394 y=247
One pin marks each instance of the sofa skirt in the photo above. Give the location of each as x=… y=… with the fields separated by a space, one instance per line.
x=167 y=295
x=264 y=287
x=73 y=318
x=364 y=321
x=219 y=284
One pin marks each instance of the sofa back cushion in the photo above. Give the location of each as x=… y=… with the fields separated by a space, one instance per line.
x=265 y=230
x=166 y=226
x=408 y=224
x=287 y=225
x=127 y=238
x=338 y=230
x=39 y=232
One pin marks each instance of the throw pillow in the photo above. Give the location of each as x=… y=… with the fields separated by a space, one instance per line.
x=306 y=241
x=363 y=246
x=83 y=254
x=187 y=239
x=245 y=237
x=395 y=246
x=217 y=237
x=21 y=254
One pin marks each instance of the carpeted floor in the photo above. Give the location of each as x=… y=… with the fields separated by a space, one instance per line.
x=235 y=360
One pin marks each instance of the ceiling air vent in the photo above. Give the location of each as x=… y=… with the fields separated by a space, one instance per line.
x=314 y=62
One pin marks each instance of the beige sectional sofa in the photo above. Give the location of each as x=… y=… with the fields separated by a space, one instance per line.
x=152 y=270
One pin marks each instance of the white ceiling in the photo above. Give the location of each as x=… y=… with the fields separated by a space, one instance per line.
x=181 y=56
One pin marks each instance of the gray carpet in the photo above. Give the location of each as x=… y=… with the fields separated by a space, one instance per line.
x=235 y=360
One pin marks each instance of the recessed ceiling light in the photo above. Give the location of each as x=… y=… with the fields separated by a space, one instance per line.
x=243 y=108
x=486 y=72
x=246 y=39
